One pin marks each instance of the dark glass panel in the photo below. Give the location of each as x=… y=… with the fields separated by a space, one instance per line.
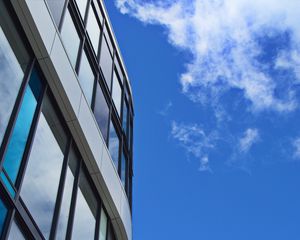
x=56 y=8
x=14 y=59
x=70 y=38
x=3 y=213
x=43 y=171
x=16 y=146
x=114 y=144
x=85 y=211
x=67 y=195
x=86 y=78
x=106 y=62
x=117 y=93
x=93 y=29
x=125 y=116
x=101 y=111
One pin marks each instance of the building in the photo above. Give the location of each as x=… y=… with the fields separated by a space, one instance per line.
x=66 y=120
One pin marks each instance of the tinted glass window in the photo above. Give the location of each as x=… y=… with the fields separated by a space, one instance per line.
x=86 y=78
x=56 y=7
x=42 y=174
x=114 y=144
x=67 y=195
x=15 y=232
x=125 y=116
x=14 y=59
x=70 y=38
x=106 y=62
x=81 y=4
x=16 y=146
x=93 y=29
x=3 y=213
x=101 y=111
x=85 y=212
x=123 y=170
x=103 y=225
x=117 y=93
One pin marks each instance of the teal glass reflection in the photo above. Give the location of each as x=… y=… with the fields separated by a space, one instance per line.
x=3 y=213
x=16 y=146
x=9 y=187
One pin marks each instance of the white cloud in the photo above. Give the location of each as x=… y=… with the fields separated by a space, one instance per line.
x=223 y=38
x=250 y=137
x=296 y=145
x=195 y=141
x=165 y=111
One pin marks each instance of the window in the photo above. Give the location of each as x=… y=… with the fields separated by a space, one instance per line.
x=16 y=146
x=123 y=170
x=114 y=145
x=42 y=174
x=117 y=93
x=125 y=116
x=70 y=38
x=106 y=62
x=103 y=225
x=3 y=213
x=101 y=112
x=81 y=4
x=67 y=195
x=93 y=29
x=15 y=232
x=56 y=7
x=85 y=212
x=86 y=78
x=14 y=59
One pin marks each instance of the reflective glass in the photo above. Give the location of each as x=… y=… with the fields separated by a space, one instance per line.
x=93 y=29
x=16 y=146
x=42 y=174
x=3 y=213
x=114 y=144
x=67 y=195
x=85 y=211
x=125 y=116
x=70 y=38
x=14 y=59
x=56 y=8
x=86 y=78
x=106 y=62
x=15 y=232
x=103 y=226
x=117 y=93
x=81 y=4
x=123 y=170
x=101 y=111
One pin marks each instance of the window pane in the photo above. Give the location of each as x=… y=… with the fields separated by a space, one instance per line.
x=14 y=59
x=93 y=30
x=56 y=7
x=114 y=143
x=66 y=201
x=106 y=62
x=101 y=111
x=123 y=170
x=103 y=225
x=117 y=93
x=15 y=232
x=16 y=146
x=42 y=175
x=125 y=116
x=3 y=213
x=70 y=38
x=82 y=7
x=85 y=212
x=86 y=78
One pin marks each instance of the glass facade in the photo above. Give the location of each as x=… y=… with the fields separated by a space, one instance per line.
x=47 y=191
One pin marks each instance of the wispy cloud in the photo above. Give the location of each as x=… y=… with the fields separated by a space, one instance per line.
x=250 y=137
x=195 y=141
x=165 y=111
x=229 y=40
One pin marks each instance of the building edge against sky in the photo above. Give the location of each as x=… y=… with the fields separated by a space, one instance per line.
x=66 y=123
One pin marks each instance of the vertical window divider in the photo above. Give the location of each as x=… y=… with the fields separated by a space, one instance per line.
x=62 y=17
x=73 y=201
x=60 y=188
x=97 y=228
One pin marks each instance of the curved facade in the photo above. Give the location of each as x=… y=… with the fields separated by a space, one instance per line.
x=66 y=123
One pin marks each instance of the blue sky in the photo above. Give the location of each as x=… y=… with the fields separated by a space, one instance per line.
x=217 y=139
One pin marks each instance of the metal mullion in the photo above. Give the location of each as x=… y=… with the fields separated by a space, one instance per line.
x=15 y=111
x=63 y=14
x=60 y=189
x=97 y=228
x=28 y=146
x=73 y=201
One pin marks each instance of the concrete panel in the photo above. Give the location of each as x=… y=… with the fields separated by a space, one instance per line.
x=92 y=134
x=66 y=79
